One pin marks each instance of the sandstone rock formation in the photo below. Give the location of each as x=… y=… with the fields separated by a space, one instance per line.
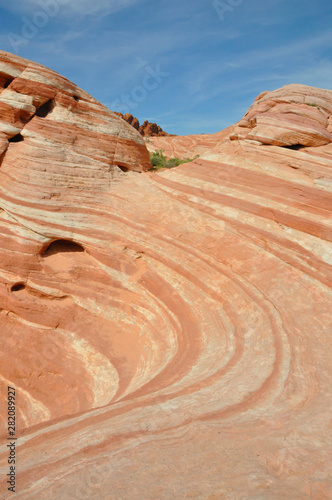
x=52 y=117
x=187 y=146
x=168 y=334
x=132 y=120
x=146 y=129
x=152 y=129
x=293 y=116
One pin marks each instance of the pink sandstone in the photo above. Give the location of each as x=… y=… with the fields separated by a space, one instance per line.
x=295 y=115
x=168 y=334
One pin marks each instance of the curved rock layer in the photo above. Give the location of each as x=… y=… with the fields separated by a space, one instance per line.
x=187 y=146
x=168 y=334
x=59 y=122
x=293 y=116
x=290 y=116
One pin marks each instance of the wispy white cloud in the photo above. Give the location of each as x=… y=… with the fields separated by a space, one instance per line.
x=319 y=75
x=214 y=78
x=284 y=51
x=70 y=7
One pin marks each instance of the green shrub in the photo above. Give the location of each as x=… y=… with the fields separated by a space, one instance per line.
x=173 y=162
x=158 y=160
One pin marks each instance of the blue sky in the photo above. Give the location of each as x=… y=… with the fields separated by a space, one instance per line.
x=191 y=66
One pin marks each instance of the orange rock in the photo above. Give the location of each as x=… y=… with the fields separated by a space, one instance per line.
x=167 y=334
x=46 y=110
x=187 y=146
x=151 y=129
x=295 y=115
x=133 y=121
x=292 y=115
x=146 y=129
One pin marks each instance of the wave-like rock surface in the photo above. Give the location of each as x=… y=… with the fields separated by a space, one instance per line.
x=294 y=116
x=168 y=334
x=291 y=116
x=58 y=122
x=187 y=146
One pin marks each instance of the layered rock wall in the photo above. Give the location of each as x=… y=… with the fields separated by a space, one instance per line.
x=168 y=334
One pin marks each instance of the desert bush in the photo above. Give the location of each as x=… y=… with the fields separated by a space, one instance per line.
x=158 y=160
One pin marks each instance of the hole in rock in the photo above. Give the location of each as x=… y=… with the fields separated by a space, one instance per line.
x=8 y=82
x=76 y=98
x=61 y=246
x=17 y=287
x=16 y=138
x=45 y=109
x=123 y=168
x=296 y=147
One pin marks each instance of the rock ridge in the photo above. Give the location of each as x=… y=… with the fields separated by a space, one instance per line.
x=147 y=129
